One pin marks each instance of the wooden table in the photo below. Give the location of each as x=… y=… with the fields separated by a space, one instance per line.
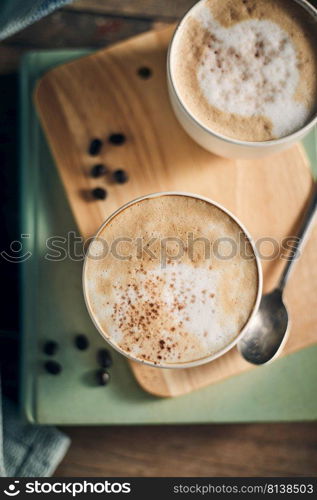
x=205 y=450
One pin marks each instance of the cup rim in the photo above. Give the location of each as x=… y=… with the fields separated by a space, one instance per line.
x=200 y=361
x=293 y=137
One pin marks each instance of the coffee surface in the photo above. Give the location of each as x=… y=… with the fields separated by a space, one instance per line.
x=247 y=69
x=171 y=279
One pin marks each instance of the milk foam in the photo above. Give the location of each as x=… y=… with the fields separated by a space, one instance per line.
x=250 y=69
x=172 y=310
x=247 y=69
x=191 y=302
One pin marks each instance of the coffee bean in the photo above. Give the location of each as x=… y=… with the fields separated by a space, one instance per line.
x=103 y=377
x=53 y=367
x=104 y=358
x=120 y=176
x=50 y=348
x=81 y=342
x=95 y=147
x=99 y=193
x=144 y=72
x=117 y=139
x=98 y=170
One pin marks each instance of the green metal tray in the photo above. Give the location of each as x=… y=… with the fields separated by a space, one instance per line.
x=53 y=308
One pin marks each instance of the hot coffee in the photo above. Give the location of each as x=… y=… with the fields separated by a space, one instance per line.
x=171 y=279
x=247 y=69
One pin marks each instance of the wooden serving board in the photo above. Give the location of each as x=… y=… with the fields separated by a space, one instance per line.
x=103 y=94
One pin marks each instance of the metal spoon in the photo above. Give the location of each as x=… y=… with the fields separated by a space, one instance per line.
x=267 y=332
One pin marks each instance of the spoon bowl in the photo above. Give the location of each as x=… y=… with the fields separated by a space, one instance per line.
x=267 y=332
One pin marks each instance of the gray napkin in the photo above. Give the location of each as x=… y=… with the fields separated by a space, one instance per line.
x=28 y=450
x=17 y=14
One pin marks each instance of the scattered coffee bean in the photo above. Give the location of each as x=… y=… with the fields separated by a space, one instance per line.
x=144 y=72
x=103 y=377
x=53 y=367
x=81 y=342
x=117 y=139
x=104 y=358
x=120 y=176
x=50 y=348
x=95 y=147
x=99 y=193
x=98 y=170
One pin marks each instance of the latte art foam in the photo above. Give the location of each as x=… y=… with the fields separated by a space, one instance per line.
x=260 y=81
x=234 y=62
x=178 y=310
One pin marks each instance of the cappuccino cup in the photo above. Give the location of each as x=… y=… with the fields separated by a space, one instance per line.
x=172 y=280
x=242 y=75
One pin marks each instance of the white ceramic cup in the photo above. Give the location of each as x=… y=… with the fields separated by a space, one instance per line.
x=218 y=143
x=207 y=359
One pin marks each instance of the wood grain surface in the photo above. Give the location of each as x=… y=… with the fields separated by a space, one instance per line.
x=224 y=450
x=205 y=450
x=135 y=8
x=103 y=93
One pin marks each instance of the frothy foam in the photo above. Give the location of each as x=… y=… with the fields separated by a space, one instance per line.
x=188 y=308
x=259 y=81
x=247 y=69
x=182 y=302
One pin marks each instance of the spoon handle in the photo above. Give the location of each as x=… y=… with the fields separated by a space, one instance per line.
x=300 y=239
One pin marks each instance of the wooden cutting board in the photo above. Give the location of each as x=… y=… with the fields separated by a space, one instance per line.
x=103 y=94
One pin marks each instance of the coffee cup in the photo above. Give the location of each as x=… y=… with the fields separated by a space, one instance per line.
x=172 y=280
x=242 y=75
